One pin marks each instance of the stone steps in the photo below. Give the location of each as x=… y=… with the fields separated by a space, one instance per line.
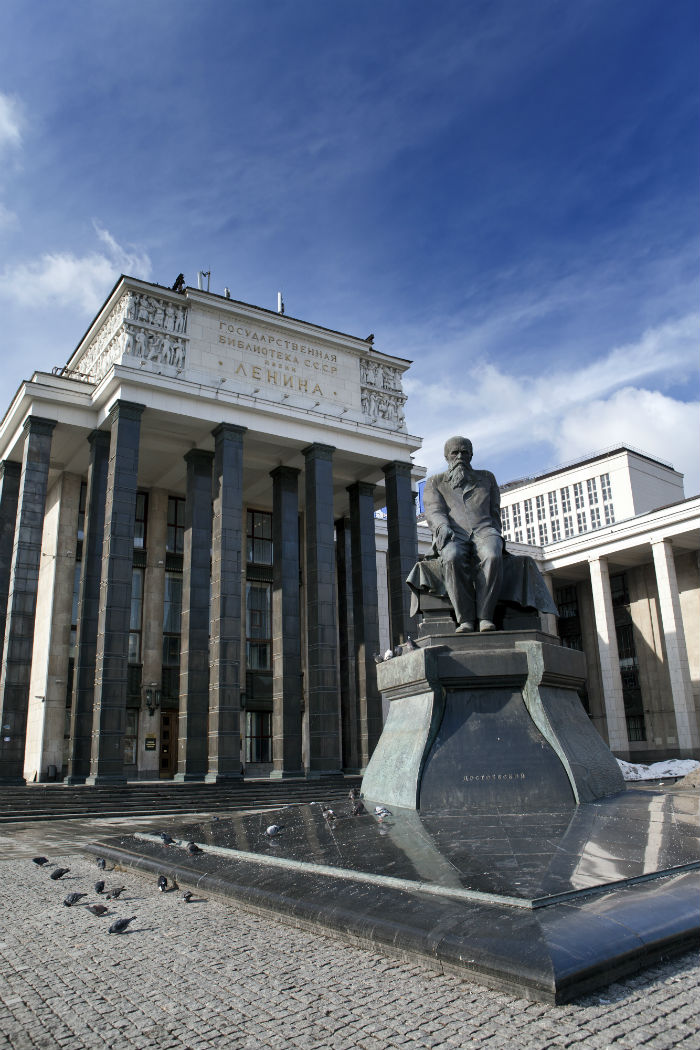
x=59 y=801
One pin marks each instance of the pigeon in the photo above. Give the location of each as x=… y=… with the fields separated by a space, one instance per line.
x=358 y=808
x=382 y=811
x=120 y=925
x=388 y=654
x=162 y=883
x=193 y=848
x=398 y=651
x=168 y=840
x=40 y=861
x=99 y=886
x=113 y=894
x=328 y=814
x=101 y=863
x=410 y=645
x=353 y=794
x=73 y=898
x=378 y=658
x=98 y=909
x=187 y=897
x=274 y=829
x=58 y=873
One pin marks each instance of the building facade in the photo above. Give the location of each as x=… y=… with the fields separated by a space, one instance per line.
x=188 y=565
x=618 y=545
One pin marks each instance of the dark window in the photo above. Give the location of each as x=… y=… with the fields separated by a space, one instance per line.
x=81 y=510
x=140 y=515
x=172 y=614
x=618 y=589
x=259 y=537
x=175 y=541
x=567 y=602
x=258 y=626
x=258 y=736
x=135 y=616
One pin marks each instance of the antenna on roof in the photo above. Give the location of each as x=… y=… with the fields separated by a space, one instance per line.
x=280 y=303
x=200 y=279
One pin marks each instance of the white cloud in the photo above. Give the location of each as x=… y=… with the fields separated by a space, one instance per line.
x=646 y=419
x=573 y=411
x=69 y=280
x=10 y=123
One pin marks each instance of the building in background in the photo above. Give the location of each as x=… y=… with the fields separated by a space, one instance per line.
x=188 y=575
x=618 y=544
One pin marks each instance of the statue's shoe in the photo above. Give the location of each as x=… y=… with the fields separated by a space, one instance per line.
x=467 y=627
x=486 y=625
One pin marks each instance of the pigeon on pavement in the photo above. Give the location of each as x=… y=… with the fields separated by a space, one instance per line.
x=113 y=894
x=273 y=829
x=120 y=925
x=168 y=840
x=40 y=861
x=101 y=863
x=162 y=883
x=193 y=848
x=58 y=873
x=98 y=909
x=99 y=886
x=187 y=897
x=73 y=898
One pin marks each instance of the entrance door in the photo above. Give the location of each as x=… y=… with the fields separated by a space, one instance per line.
x=168 y=743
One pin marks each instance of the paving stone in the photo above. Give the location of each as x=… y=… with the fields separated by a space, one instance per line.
x=213 y=975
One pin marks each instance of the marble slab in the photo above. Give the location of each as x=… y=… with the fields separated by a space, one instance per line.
x=547 y=906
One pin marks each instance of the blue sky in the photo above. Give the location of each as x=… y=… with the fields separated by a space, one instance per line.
x=504 y=192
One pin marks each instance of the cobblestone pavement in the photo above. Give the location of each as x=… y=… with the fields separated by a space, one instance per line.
x=210 y=974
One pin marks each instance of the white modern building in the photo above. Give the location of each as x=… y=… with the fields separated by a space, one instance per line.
x=619 y=546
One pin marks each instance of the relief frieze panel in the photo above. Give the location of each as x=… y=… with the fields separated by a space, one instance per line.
x=140 y=325
x=382 y=395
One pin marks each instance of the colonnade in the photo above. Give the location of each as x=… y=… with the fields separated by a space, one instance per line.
x=211 y=668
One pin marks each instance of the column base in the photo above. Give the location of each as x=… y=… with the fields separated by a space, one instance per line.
x=74 y=780
x=189 y=778
x=287 y=774
x=106 y=779
x=354 y=771
x=223 y=778
x=13 y=782
x=316 y=774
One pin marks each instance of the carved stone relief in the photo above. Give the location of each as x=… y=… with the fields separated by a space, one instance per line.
x=382 y=394
x=141 y=326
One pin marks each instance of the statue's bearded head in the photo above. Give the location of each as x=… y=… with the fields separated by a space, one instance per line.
x=458 y=453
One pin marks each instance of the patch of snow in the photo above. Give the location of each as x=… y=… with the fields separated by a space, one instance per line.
x=670 y=767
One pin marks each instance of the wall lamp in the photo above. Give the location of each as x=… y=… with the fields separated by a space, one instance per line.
x=152 y=696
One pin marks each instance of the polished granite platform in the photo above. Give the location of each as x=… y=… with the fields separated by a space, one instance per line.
x=546 y=905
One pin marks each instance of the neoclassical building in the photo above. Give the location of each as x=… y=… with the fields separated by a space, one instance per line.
x=188 y=565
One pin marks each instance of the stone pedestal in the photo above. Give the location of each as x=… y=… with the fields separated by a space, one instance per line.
x=488 y=722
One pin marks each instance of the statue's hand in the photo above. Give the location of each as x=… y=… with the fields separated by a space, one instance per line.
x=443 y=535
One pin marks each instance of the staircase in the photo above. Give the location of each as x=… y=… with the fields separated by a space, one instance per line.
x=60 y=802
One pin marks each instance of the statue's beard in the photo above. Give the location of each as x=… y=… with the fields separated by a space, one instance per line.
x=457 y=475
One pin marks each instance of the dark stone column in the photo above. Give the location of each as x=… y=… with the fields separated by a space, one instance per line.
x=365 y=615
x=286 y=626
x=88 y=611
x=349 y=712
x=21 y=599
x=322 y=672
x=402 y=547
x=112 y=655
x=194 y=655
x=225 y=660
x=9 y=479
